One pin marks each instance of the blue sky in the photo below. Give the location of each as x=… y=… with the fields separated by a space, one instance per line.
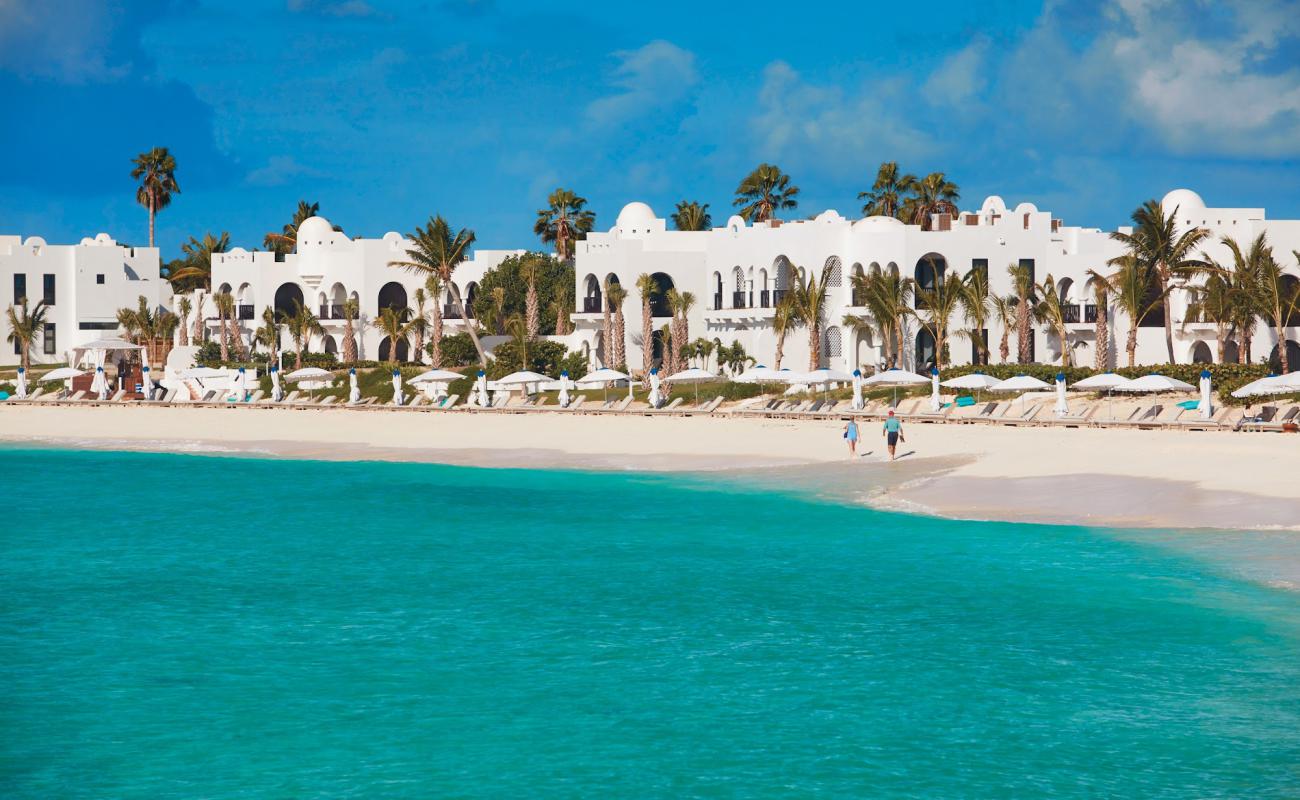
x=388 y=112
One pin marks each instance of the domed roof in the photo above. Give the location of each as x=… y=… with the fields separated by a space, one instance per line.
x=635 y=215
x=879 y=221
x=313 y=230
x=1184 y=199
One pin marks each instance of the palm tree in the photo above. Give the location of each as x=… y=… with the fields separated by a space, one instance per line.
x=24 y=329
x=785 y=317
x=810 y=298
x=286 y=241
x=491 y=310
x=437 y=251
x=564 y=221
x=351 y=310
x=195 y=270
x=934 y=194
x=532 y=308
x=183 y=309
x=301 y=324
x=1051 y=309
x=1279 y=298
x=615 y=294
x=561 y=306
x=1023 y=283
x=692 y=216
x=225 y=304
x=764 y=192
x=269 y=334
x=1004 y=311
x=1155 y=239
x=1132 y=284
x=887 y=295
x=607 y=326
x=1214 y=301
x=647 y=288
x=419 y=325
x=939 y=304
x=976 y=306
x=156 y=171
x=517 y=328
x=888 y=193
x=433 y=285
x=1101 y=300
x=200 y=333
x=394 y=323
x=680 y=303
x=146 y=327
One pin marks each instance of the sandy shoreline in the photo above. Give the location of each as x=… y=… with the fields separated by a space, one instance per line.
x=1084 y=476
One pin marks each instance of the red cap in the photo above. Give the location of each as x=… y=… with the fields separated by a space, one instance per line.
x=891 y=412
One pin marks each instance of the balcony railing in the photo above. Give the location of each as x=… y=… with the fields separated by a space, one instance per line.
x=764 y=299
x=858 y=299
x=245 y=312
x=717 y=299
x=591 y=305
x=1070 y=313
x=778 y=295
x=739 y=300
x=450 y=311
x=1090 y=313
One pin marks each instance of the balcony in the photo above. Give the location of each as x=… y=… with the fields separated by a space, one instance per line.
x=591 y=305
x=450 y=311
x=717 y=300
x=1090 y=314
x=778 y=295
x=1070 y=313
x=245 y=312
x=739 y=300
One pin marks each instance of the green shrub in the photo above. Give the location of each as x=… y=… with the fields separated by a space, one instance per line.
x=544 y=356
x=457 y=351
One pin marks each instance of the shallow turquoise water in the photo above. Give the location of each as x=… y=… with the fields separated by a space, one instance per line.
x=390 y=630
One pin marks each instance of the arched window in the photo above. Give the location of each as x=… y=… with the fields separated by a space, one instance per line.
x=287 y=298
x=1231 y=353
x=928 y=273
x=471 y=295
x=784 y=274
x=836 y=277
x=403 y=349
x=1292 y=357
x=924 y=349
x=717 y=290
x=833 y=347
x=1201 y=354
x=739 y=297
x=245 y=305
x=857 y=276
x=659 y=300
x=591 y=298
x=328 y=345
x=392 y=295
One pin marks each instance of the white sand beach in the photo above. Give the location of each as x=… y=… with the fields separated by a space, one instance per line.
x=1091 y=476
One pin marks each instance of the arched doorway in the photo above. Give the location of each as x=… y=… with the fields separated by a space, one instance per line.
x=924 y=350
x=928 y=273
x=1292 y=357
x=328 y=345
x=592 y=295
x=471 y=294
x=659 y=301
x=1201 y=354
x=403 y=349
x=287 y=298
x=657 y=347
x=1231 y=353
x=392 y=295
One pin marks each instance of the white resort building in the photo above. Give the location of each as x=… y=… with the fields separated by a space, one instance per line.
x=739 y=272
x=82 y=285
x=326 y=270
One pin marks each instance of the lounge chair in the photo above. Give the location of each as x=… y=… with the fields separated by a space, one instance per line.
x=575 y=403
x=1024 y=416
x=31 y=396
x=1075 y=419
x=447 y=402
x=712 y=405
x=255 y=397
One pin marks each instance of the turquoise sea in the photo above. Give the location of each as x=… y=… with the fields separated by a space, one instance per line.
x=211 y=627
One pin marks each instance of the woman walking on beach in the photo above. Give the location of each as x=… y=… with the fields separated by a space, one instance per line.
x=893 y=432
x=851 y=436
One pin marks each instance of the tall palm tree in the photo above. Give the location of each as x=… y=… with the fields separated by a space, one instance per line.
x=286 y=240
x=156 y=171
x=1023 y=283
x=419 y=323
x=1236 y=291
x=1051 y=309
x=433 y=285
x=1279 y=298
x=607 y=326
x=1214 y=300
x=562 y=306
x=1156 y=240
x=785 y=317
x=647 y=288
x=301 y=324
x=351 y=310
x=1131 y=284
x=195 y=269
x=394 y=323
x=939 y=304
x=225 y=305
x=437 y=251
x=528 y=268
x=887 y=295
x=933 y=194
x=200 y=332
x=810 y=298
x=25 y=327
x=976 y=307
x=765 y=192
x=491 y=310
x=1101 y=301
x=564 y=221
x=183 y=309
x=517 y=328
x=268 y=334
x=888 y=193
x=1004 y=311
x=692 y=216
x=615 y=294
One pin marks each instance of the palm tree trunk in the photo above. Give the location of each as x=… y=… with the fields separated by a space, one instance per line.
x=780 y=348
x=225 y=342
x=814 y=347
x=469 y=324
x=297 y=355
x=607 y=333
x=1280 y=326
x=620 y=340
x=198 y=318
x=152 y=202
x=1132 y=343
x=647 y=337
x=1169 y=320
x=435 y=345
x=1065 y=346
x=1004 y=347
x=531 y=310
x=1246 y=341
x=1023 y=331
x=349 y=341
x=1103 y=339
x=1220 y=341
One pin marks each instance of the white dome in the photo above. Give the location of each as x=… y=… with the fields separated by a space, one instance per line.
x=735 y=222
x=829 y=215
x=1185 y=199
x=314 y=230
x=34 y=241
x=994 y=204
x=636 y=215
x=878 y=221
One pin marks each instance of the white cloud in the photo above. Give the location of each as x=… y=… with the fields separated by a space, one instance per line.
x=62 y=39
x=650 y=77
x=960 y=79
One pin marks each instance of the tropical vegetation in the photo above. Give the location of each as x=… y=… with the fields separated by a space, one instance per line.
x=156 y=171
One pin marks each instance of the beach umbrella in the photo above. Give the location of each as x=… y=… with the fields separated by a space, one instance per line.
x=436 y=376
x=857 y=390
x=693 y=375
x=895 y=377
x=204 y=373
x=935 y=403
x=480 y=390
x=354 y=390
x=1154 y=383
x=397 y=387
x=20 y=385
x=605 y=376
x=822 y=377
x=974 y=381
x=62 y=374
x=654 y=398
x=1102 y=381
x=100 y=384
x=309 y=374
x=1062 y=407
x=523 y=378
x=1273 y=384
x=563 y=398
x=146 y=382
x=277 y=394
x=1020 y=383
x=1205 y=406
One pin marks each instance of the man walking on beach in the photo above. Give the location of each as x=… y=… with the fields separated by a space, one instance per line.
x=893 y=433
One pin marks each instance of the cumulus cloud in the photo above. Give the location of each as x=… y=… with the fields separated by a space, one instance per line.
x=655 y=76
x=960 y=79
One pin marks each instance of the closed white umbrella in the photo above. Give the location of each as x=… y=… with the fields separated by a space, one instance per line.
x=354 y=390
x=1062 y=407
x=858 y=405
x=693 y=375
x=146 y=382
x=277 y=393
x=397 y=387
x=480 y=390
x=563 y=398
x=654 y=398
x=100 y=384
x=1154 y=383
x=1205 y=406
x=20 y=385
x=935 y=402
x=238 y=386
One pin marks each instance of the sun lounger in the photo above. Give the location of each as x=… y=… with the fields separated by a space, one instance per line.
x=712 y=405
x=677 y=401
x=35 y=395
x=1023 y=416
x=447 y=402
x=256 y=397
x=1078 y=417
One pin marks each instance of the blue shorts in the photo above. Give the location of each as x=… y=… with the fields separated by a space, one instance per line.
x=893 y=438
